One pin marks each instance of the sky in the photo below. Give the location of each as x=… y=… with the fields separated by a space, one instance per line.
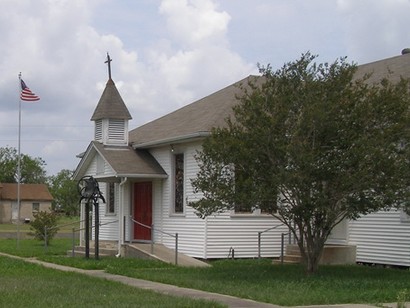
x=165 y=55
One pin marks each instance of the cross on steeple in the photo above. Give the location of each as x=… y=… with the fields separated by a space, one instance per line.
x=109 y=65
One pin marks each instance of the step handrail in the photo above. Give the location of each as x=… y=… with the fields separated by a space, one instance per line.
x=282 y=245
x=260 y=237
x=152 y=236
x=80 y=229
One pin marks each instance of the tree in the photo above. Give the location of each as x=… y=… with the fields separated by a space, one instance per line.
x=44 y=226
x=313 y=145
x=64 y=191
x=32 y=169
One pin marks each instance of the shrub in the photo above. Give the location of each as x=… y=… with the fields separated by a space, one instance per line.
x=43 y=220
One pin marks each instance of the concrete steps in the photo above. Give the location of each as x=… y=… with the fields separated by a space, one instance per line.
x=332 y=254
x=292 y=255
x=105 y=249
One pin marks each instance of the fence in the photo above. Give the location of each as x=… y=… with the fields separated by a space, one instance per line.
x=46 y=229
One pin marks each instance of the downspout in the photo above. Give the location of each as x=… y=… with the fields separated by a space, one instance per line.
x=120 y=216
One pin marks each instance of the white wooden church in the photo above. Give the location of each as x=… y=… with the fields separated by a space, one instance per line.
x=145 y=175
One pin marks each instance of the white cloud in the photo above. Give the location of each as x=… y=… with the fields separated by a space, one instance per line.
x=165 y=54
x=375 y=29
x=202 y=59
x=196 y=21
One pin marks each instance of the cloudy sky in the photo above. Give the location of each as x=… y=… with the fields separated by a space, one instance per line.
x=166 y=54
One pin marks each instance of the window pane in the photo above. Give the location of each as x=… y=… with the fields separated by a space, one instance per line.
x=179 y=183
x=36 y=207
x=110 y=198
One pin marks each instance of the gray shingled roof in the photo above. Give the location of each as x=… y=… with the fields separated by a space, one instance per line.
x=111 y=105
x=391 y=68
x=197 y=119
x=125 y=161
x=194 y=120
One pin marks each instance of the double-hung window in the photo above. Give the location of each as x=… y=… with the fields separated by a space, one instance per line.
x=110 y=196
x=179 y=183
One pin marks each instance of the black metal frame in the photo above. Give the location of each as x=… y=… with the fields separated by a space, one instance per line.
x=90 y=191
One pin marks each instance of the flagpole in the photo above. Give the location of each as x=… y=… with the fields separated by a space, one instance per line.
x=19 y=170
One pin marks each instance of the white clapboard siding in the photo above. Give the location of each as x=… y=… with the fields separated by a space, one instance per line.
x=157 y=207
x=106 y=231
x=189 y=227
x=215 y=236
x=240 y=232
x=127 y=204
x=381 y=238
x=160 y=193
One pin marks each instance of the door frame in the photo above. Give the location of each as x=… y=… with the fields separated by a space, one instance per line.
x=137 y=212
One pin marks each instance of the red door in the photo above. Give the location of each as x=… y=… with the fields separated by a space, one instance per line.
x=142 y=210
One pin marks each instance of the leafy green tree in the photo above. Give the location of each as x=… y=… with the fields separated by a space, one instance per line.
x=8 y=165
x=64 y=191
x=44 y=226
x=32 y=169
x=313 y=145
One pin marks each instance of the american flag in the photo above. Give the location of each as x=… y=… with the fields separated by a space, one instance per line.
x=26 y=94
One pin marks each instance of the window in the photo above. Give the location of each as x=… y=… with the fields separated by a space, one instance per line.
x=242 y=190
x=116 y=130
x=404 y=215
x=248 y=198
x=36 y=206
x=110 y=200
x=179 y=183
x=98 y=130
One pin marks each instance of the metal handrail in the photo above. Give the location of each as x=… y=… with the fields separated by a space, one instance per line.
x=161 y=231
x=80 y=229
x=140 y=223
x=260 y=235
x=282 y=245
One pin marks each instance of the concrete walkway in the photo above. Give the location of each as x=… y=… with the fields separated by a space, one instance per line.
x=167 y=289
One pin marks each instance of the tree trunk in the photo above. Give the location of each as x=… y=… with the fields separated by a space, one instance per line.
x=310 y=246
x=311 y=251
x=314 y=253
x=312 y=264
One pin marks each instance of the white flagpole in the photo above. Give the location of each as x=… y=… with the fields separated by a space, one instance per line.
x=19 y=168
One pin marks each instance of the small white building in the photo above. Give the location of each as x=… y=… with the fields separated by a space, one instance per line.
x=145 y=176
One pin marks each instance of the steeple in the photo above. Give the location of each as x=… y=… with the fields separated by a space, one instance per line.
x=111 y=115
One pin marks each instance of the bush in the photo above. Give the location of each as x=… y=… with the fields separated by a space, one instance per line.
x=43 y=220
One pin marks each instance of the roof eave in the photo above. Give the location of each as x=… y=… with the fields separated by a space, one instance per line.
x=132 y=176
x=176 y=139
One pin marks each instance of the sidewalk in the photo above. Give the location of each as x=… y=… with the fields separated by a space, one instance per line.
x=167 y=289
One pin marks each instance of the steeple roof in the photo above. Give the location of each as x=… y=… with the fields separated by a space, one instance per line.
x=111 y=105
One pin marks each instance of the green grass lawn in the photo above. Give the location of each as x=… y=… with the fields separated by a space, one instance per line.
x=65 y=223
x=286 y=285
x=260 y=280
x=24 y=284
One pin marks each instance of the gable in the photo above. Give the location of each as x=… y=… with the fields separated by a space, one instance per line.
x=118 y=161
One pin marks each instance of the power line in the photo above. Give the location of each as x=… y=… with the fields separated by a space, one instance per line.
x=45 y=140
x=45 y=126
